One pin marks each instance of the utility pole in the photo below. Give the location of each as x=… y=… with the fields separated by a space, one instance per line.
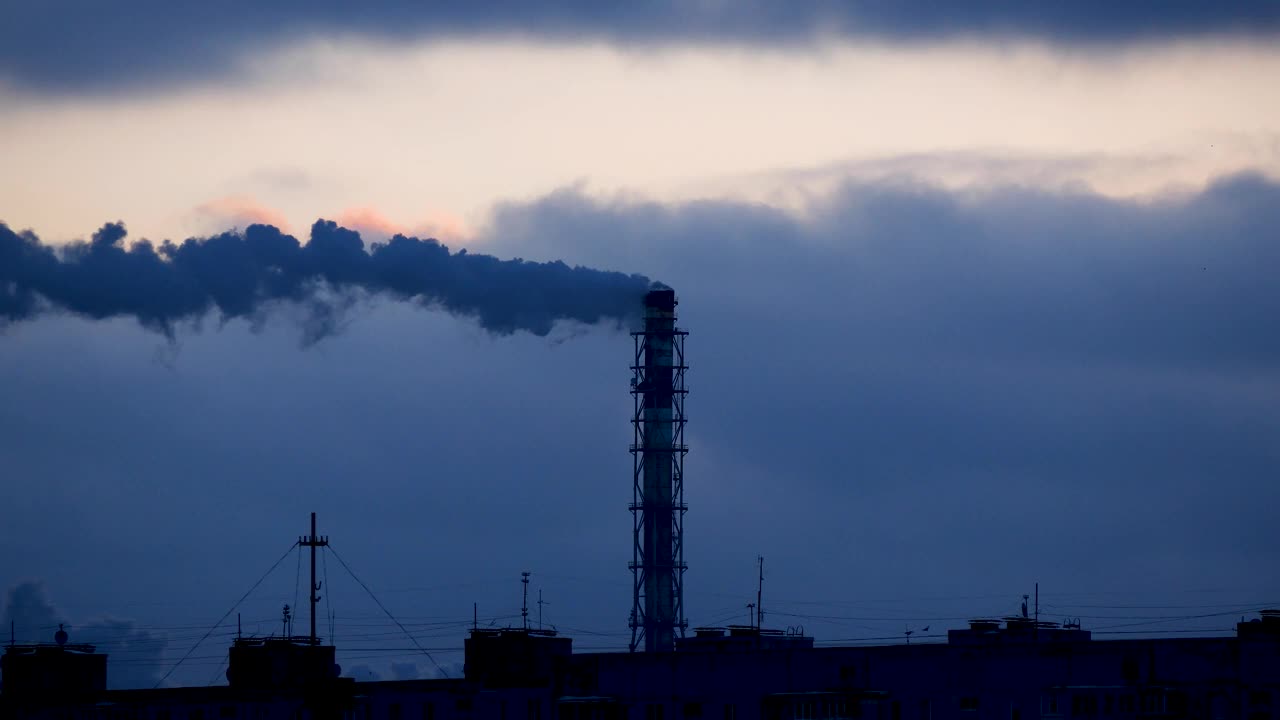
x=540 y=604
x=313 y=541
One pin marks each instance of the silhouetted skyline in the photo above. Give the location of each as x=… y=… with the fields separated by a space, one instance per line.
x=978 y=297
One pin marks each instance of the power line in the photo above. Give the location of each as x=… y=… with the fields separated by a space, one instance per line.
x=226 y=614
x=297 y=578
x=328 y=603
x=870 y=619
x=1165 y=607
x=1171 y=618
x=385 y=610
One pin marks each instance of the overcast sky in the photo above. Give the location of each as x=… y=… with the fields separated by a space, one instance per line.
x=977 y=298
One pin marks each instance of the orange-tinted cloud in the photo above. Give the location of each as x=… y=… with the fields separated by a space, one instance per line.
x=367 y=220
x=370 y=222
x=240 y=210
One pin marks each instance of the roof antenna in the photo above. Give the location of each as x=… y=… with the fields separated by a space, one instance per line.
x=759 y=595
x=239 y=628
x=475 y=615
x=524 y=608
x=1035 y=638
x=540 y=604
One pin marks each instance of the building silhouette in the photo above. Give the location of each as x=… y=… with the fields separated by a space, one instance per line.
x=1007 y=668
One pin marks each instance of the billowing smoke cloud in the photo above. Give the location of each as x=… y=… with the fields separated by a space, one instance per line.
x=29 y=615
x=241 y=275
x=135 y=657
x=363 y=672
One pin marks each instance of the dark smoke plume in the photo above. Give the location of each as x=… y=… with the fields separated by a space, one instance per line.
x=241 y=274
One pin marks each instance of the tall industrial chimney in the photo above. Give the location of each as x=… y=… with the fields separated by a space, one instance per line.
x=658 y=450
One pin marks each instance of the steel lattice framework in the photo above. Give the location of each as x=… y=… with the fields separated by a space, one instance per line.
x=658 y=450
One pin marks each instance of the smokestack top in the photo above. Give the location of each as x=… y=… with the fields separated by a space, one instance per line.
x=661 y=298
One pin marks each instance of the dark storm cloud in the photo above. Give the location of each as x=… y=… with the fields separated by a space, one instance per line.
x=240 y=274
x=81 y=44
x=1038 y=379
x=1180 y=281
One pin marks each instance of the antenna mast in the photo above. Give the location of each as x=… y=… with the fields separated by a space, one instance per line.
x=524 y=607
x=313 y=541
x=760 y=595
x=1036 y=636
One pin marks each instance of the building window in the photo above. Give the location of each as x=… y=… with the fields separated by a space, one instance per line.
x=1084 y=705
x=969 y=703
x=693 y=709
x=653 y=712
x=227 y=711
x=429 y=711
x=926 y=710
x=730 y=712
x=393 y=711
x=1129 y=668
x=1049 y=705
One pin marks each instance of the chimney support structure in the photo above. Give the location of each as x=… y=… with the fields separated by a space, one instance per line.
x=658 y=450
